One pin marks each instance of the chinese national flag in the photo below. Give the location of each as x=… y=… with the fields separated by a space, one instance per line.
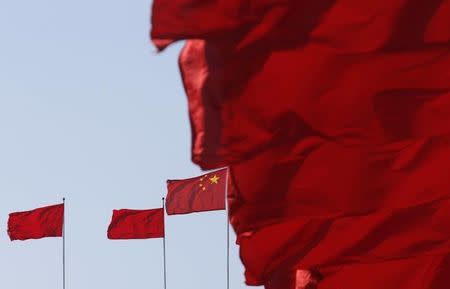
x=199 y=194
x=36 y=224
x=136 y=224
x=334 y=119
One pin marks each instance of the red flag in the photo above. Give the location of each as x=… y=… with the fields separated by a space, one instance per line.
x=199 y=194
x=334 y=117
x=39 y=223
x=136 y=224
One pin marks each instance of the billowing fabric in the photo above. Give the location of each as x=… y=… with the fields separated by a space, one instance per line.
x=36 y=224
x=334 y=117
x=136 y=224
x=198 y=194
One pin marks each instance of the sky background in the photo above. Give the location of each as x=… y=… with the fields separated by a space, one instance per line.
x=90 y=112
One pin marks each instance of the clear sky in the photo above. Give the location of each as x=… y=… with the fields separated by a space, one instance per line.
x=88 y=111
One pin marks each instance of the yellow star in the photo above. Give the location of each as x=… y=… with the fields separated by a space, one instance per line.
x=214 y=179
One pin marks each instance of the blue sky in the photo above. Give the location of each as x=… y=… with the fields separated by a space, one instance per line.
x=90 y=112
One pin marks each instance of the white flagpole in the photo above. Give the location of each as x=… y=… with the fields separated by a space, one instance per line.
x=64 y=244
x=228 y=230
x=164 y=244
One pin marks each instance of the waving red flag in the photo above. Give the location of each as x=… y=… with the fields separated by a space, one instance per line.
x=36 y=224
x=199 y=194
x=136 y=224
x=334 y=117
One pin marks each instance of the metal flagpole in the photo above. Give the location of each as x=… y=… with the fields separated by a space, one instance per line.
x=228 y=231
x=164 y=244
x=64 y=243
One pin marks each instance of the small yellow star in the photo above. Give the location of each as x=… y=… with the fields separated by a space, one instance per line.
x=214 y=179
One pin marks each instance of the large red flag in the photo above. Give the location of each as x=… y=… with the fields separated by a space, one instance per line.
x=136 y=224
x=38 y=223
x=199 y=194
x=334 y=117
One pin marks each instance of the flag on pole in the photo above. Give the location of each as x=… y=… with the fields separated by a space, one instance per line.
x=199 y=194
x=36 y=224
x=136 y=224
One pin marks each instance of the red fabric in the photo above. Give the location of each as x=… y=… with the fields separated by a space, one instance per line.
x=183 y=19
x=199 y=194
x=296 y=279
x=136 y=224
x=36 y=224
x=334 y=117
x=415 y=273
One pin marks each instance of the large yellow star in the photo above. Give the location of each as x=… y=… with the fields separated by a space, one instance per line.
x=214 y=179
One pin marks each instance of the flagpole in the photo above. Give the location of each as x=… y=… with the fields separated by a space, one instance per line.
x=228 y=231
x=228 y=254
x=164 y=244
x=64 y=243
